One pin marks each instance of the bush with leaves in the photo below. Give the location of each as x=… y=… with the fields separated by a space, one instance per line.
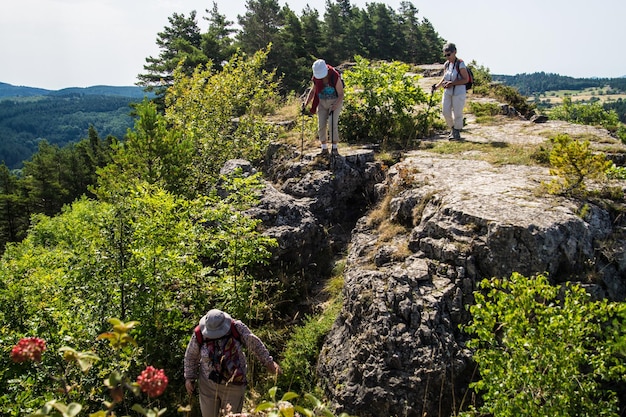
x=220 y=113
x=545 y=350
x=140 y=255
x=573 y=163
x=593 y=114
x=65 y=383
x=381 y=105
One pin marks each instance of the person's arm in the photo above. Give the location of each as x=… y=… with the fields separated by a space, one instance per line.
x=339 y=89
x=464 y=76
x=257 y=348
x=441 y=81
x=191 y=364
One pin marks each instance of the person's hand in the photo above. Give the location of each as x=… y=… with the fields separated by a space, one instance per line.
x=303 y=109
x=190 y=385
x=275 y=369
x=433 y=88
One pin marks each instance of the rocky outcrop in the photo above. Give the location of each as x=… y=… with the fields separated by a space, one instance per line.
x=311 y=204
x=396 y=348
x=443 y=223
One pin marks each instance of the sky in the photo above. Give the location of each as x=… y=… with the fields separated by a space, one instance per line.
x=54 y=44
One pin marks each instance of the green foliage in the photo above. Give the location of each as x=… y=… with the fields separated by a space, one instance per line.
x=544 y=350
x=615 y=172
x=97 y=381
x=300 y=355
x=380 y=103
x=592 y=114
x=54 y=177
x=221 y=114
x=235 y=249
x=482 y=78
x=151 y=152
x=285 y=407
x=139 y=255
x=573 y=163
x=619 y=106
x=484 y=112
x=512 y=96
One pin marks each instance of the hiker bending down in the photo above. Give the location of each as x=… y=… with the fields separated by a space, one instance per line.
x=454 y=78
x=327 y=97
x=214 y=358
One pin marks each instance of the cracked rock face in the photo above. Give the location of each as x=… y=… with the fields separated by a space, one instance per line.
x=396 y=348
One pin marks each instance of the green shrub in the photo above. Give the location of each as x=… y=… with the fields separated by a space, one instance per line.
x=512 y=96
x=384 y=105
x=544 y=350
x=573 y=162
x=592 y=114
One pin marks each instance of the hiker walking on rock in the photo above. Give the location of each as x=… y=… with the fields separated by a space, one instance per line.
x=327 y=97
x=215 y=359
x=454 y=78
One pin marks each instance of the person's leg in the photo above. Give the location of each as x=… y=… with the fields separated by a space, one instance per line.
x=322 y=122
x=335 y=121
x=458 y=103
x=232 y=397
x=209 y=399
x=446 y=109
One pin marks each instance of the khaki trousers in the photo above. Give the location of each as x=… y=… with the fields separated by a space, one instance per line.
x=323 y=119
x=214 y=397
x=452 y=108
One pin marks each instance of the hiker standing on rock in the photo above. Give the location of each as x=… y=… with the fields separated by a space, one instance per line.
x=214 y=358
x=327 y=97
x=454 y=78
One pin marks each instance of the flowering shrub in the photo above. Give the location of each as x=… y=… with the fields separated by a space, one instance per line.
x=28 y=349
x=74 y=385
x=152 y=381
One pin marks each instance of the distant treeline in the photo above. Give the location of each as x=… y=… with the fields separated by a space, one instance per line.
x=340 y=32
x=541 y=82
x=53 y=177
x=60 y=120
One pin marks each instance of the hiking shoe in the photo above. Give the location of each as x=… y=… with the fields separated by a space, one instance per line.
x=456 y=134
x=322 y=157
x=335 y=152
x=451 y=135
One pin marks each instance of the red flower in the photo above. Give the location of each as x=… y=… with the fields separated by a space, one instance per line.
x=28 y=348
x=152 y=381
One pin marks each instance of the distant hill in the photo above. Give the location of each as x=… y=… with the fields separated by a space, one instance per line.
x=540 y=82
x=29 y=115
x=8 y=90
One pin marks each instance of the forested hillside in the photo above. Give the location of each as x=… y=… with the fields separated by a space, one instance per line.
x=540 y=82
x=60 y=120
x=147 y=233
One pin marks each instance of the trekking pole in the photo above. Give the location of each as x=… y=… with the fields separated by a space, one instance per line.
x=302 y=136
x=332 y=135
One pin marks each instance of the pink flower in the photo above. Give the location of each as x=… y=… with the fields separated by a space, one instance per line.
x=152 y=381
x=28 y=348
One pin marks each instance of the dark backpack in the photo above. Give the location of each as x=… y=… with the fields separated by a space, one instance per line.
x=224 y=354
x=457 y=63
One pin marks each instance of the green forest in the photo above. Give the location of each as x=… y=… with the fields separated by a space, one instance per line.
x=59 y=120
x=114 y=245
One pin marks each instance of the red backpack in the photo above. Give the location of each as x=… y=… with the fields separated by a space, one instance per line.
x=224 y=353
